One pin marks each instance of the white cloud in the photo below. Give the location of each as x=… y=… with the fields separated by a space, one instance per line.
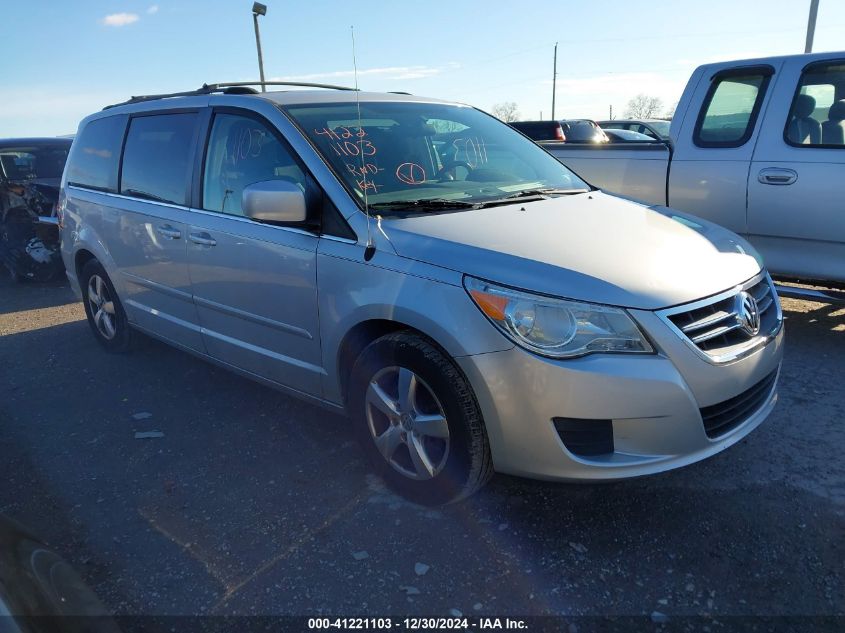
x=120 y=19
x=153 y=9
x=390 y=72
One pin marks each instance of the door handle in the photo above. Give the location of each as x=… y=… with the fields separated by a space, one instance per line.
x=777 y=176
x=169 y=232
x=203 y=239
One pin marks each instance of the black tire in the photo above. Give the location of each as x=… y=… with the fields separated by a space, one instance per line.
x=122 y=340
x=466 y=463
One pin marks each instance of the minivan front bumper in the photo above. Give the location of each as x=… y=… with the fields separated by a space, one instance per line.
x=654 y=404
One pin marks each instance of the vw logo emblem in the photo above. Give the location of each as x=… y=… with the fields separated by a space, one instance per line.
x=748 y=314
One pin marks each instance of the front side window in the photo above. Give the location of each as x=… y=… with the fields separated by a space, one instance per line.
x=817 y=116
x=95 y=152
x=157 y=157
x=404 y=153
x=730 y=110
x=241 y=152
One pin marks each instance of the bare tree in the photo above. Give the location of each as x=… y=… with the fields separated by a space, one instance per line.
x=644 y=107
x=506 y=111
x=671 y=111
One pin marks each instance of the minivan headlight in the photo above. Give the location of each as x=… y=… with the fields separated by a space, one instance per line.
x=556 y=327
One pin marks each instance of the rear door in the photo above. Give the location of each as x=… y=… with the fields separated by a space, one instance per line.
x=708 y=176
x=796 y=214
x=147 y=235
x=254 y=284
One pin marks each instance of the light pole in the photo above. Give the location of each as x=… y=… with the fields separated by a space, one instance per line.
x=811 y=26
x=259 y=9
x=554 y=82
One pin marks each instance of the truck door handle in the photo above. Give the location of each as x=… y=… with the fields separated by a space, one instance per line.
x=169 y=232
x=202 y=238
x=777 y=176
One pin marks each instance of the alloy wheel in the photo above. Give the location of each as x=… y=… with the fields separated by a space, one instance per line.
x=102 y=307
x=407 y=423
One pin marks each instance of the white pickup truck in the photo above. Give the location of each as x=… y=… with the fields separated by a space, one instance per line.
x=757 y=146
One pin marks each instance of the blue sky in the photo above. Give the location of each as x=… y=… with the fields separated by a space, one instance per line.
x=63 y=59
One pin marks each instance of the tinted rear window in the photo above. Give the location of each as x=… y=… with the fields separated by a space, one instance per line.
x=580 y=131
x=539 y=131
x=157 y=157
x=94 y=157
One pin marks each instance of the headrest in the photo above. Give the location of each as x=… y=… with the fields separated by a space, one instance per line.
x=804 y=106
x=837 y=111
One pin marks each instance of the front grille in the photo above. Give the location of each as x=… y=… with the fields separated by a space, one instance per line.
x=719 y=327
x=724 y=417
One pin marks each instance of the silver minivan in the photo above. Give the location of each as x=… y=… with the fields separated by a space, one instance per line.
x=468 y=301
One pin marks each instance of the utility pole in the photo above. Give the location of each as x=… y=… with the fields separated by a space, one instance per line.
x=259 y=9
x=811 y=25
x=611 y=112
x=554 y=82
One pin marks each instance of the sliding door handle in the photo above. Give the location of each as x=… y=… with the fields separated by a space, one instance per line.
x=204 y=239
x=169 y=232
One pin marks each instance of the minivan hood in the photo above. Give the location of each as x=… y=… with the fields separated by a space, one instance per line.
x=591 y=247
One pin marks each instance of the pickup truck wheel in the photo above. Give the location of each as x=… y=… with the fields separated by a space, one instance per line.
x=418 y=421
x=105 y=313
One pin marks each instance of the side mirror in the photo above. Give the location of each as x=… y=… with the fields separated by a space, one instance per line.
x=274 y=201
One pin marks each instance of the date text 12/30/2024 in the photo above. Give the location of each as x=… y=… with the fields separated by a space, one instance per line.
x=417 y=624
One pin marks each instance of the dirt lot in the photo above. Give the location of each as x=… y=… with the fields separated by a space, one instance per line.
x=255 y=503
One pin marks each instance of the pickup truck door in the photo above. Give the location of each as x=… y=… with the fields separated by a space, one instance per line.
x=254 y=284
x=708 y=175
x=796 y=214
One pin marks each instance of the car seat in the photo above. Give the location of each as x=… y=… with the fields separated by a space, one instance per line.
x=803 y=128
x=833 y=130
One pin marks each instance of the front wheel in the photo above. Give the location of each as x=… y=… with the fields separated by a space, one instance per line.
x=418 y=421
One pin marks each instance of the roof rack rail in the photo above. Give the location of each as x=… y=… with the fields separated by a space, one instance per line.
x=301 y=84
x=235 y=87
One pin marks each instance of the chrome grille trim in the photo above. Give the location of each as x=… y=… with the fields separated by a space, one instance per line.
x=712 y=327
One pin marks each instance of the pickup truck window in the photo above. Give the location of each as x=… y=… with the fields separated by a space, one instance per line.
x=730 y=109
x=817 y=116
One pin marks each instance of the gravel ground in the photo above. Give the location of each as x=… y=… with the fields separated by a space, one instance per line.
x=255 y=503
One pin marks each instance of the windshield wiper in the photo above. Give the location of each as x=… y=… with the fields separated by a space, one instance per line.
x=545 y=191
x=535 y=194
x=432 y=203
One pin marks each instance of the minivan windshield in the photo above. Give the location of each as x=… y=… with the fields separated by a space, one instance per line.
x=423 y=156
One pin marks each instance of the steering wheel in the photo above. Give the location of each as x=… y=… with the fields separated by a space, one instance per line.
x=448 y=173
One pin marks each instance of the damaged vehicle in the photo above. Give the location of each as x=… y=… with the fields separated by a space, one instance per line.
x=30 y=173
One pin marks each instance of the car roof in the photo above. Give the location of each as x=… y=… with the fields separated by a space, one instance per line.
x=808 y=58
x=281 y=98
x=34 y=141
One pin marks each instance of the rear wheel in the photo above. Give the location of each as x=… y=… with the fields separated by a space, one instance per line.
x=105 y=313
x=418 y=420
